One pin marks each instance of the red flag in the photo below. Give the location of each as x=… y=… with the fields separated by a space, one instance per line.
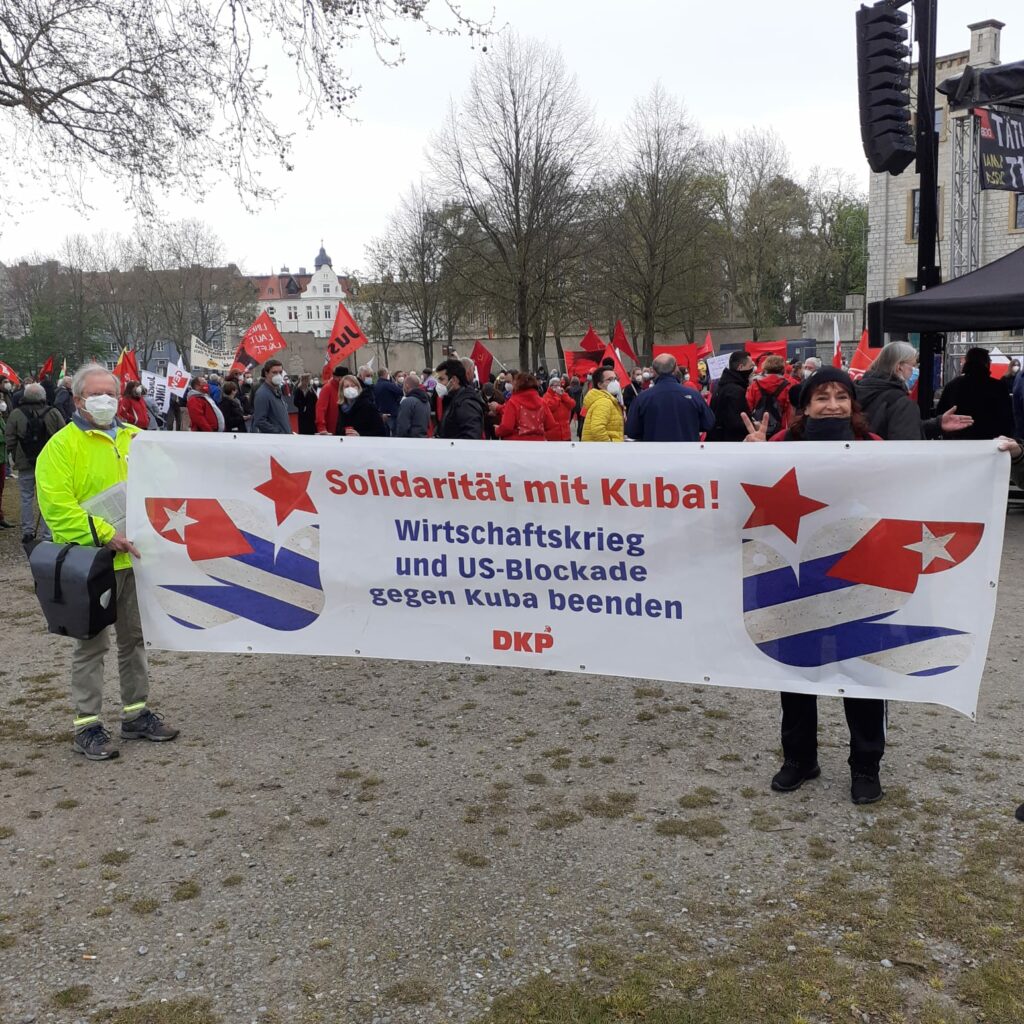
x=258 y=344
x=707 y=349
x=621 y=342
x=126 y=368
x=46 y=369
x=579 y=364
x=8 y=372
x=862 y=358
x=620 y=370
x=686 y=355
x=592 y=341
x=758 y=350
x=484 y=359
x=346 y=337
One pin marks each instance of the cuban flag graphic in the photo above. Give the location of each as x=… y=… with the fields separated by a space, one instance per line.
x=836 y=604
x=251 y=571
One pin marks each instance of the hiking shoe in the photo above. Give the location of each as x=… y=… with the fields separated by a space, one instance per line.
x=793 y=775
x=95 y=743
x=4 y=525
x=148 y=726
x=865 y=788
x=1020 y=813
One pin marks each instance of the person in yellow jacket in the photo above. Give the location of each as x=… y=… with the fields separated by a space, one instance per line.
x=604 y=420
x=88 y=456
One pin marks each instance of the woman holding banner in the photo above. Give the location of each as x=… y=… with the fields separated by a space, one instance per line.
x=827 y=411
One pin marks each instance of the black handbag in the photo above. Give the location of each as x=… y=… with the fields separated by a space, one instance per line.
x=76 y=587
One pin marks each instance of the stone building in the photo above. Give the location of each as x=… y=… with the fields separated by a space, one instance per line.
x=894 y=202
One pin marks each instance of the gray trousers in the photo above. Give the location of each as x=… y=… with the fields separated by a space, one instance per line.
x=133 y=668
x=27 y=487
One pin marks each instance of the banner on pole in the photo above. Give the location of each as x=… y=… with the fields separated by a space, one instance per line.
x=1001 y=150
x=832 y=568
x=157 y=387
x=258 y=344
x=206 y=357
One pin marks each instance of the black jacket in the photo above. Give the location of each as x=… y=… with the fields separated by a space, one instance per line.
x=462 y=414
x=727 y=403
x=891 y=413
x=305 y=406
x=984 y=398
x=362 y=417
x=234 y=418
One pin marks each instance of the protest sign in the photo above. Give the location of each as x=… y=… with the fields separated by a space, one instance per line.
x=1001 y=150
x=716 y=364
x=206 y=357
x=157 y=387
x=838 y=568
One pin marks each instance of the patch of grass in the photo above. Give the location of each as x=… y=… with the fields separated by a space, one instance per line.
x=76 y=995
x=319 y=944
x=692 y=828
x=471 y=859
x=6 y=831
x=641 y=692
x=763 y=821
x=174 y=1011
x=557 y=819
x=615 y=804
x=421 y=741
x=102 y=912
x=818 y=849
x=218 y=812
x=556 y=752
x=115 y=857
x=937 y=763
x=319 y=822
x=146 y=905
x=187 y=890
x=232 y=880
x=717 y=713
x=536 y=778
x=998 y=988
x=606 y=759
x=398 y=833
x=411 y=991
x=702 y=796
x=349 y=773
x=646 y=716
x=66 y=805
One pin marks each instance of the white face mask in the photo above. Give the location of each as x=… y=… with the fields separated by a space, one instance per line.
x=8 y=386
x=441 y=390
x=101 y=409
x=3 y=407
x=248 y=380
x=614 y=388
x=807 y=373
x=646 y=376
x=277 y=380
x=351 y=393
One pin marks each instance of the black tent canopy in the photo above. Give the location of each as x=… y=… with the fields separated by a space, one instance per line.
x=988 y=299
x=1002 y=84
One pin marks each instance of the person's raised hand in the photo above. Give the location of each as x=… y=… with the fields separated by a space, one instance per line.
x=953 y=421
x=755 y=433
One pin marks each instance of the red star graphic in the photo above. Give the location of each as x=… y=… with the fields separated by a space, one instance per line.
x=780 y=505
x=287 y=491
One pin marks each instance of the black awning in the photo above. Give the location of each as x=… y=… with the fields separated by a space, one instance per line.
x=989 y=299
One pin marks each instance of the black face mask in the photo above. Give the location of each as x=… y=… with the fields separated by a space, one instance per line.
x=745 y=374
x=828 y=428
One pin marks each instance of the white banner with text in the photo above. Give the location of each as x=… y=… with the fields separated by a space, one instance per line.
x=865 y=570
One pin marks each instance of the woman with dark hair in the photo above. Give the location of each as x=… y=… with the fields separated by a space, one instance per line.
x=357 y=415
x=304 y=398
x=827 y=412
x=976 y=393
x=524 y=416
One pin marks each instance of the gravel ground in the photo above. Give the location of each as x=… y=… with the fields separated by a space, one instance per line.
x=383 y=841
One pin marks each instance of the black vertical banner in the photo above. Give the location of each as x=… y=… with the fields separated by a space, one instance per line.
x=1001 y=150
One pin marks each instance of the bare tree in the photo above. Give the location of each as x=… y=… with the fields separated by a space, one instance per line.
x=156 y=92
x=381 y=303
x=518 y=155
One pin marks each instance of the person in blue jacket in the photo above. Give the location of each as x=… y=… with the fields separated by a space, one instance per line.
x=388 y=396
x=668 y=410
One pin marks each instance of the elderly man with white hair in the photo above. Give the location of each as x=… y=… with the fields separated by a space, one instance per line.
x=87 y=457
x=29 y=429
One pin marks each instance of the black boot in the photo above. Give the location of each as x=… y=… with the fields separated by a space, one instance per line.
x=792 y=775
x=865 y=787
x=1020 y=813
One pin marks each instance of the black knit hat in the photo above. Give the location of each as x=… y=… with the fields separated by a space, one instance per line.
x=826 y=375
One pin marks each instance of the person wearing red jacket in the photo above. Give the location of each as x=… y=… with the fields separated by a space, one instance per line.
x=561 y=407
x=524 y=416
x=327 y=402
x=132 y=409
x=203 y=415
x=771 y=386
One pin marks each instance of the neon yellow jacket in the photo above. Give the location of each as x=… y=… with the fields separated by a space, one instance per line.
x=77 y=463
x=604 y=418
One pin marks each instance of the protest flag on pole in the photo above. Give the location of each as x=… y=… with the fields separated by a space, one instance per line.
x=620 y=370
x=707 y=350
x=64 y=368
x=759 y=350
x=46 y=370
x=837 y=350
x=621 y=342
x=578 y=363
x=685 y=355
x=592 y=341
x=126 y=368
x=8 y=372
x=346 y=337
x=178 y=378
x=483 y=359
x=862 y=357
x=259 y=342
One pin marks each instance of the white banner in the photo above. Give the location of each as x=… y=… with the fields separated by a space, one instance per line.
x=206 y=357
x=178 y=378
x=157 y=387
x=853 y=569
x=716 y=364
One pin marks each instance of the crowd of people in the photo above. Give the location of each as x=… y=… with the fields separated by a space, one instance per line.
x=780 y=401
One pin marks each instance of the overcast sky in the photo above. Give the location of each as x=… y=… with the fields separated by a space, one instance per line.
x=788 y=65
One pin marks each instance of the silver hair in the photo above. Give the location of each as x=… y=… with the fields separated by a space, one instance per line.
x=91 y=370
x=890 y=357
x=813 y=359
x=35 y=392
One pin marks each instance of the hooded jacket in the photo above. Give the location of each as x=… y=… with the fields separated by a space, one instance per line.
x=562 y=407
x=604 y=421
x=891 y=413
x=511 y=426
x=414 y=415
x=728 y=402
